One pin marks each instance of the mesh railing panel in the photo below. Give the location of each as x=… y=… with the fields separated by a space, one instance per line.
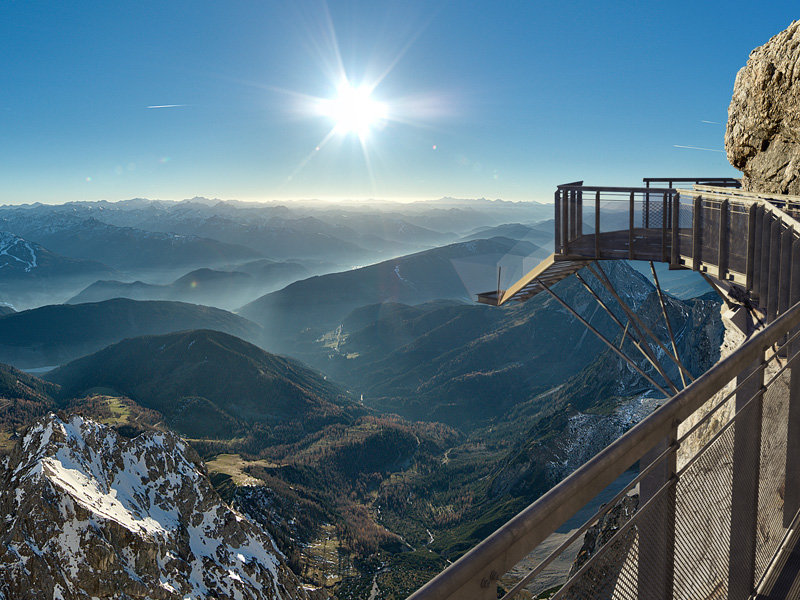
x=710 y=233
x=700 y=498
x=772 y=472
x=653 y=215
x=612 y=571
x=685 y=214
x=702 y=524
x=737 y=221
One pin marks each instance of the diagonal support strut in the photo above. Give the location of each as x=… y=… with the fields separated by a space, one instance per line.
x=636 y=342
x=636 y=320
x=666 y=319
x=605 y=340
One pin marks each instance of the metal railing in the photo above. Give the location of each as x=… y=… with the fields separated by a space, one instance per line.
x=714 y=491
x=736 y=236
x=749 y=239
x=692 y=182
x=613 y=222
x=713 y=500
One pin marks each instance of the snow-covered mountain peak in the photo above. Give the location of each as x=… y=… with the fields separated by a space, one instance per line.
x=17 y=253
x=91 y=513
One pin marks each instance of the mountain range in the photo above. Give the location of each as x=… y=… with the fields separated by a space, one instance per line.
x=184 y=232
x=310 y=307
x=442 y=360
x=31 y=274
x=209 y=384
x=54 y=334
x=227 y=289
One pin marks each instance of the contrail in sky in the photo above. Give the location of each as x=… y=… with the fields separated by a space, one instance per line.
x=167 y=105
x=710 y=122
x=697 y=148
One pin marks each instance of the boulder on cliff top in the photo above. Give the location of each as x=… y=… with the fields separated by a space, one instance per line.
x=763 y=134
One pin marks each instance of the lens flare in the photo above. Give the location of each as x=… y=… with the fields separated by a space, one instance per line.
x=353 y=110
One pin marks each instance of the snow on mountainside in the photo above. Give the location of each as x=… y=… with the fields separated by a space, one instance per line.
x=89 y=514
x=16 y=253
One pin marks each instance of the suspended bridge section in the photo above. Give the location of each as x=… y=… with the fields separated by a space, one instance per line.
x=702 y=497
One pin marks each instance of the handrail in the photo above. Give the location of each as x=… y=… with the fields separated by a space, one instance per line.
x=747 y=194
x=638 y=190
x=689 y=179
x=514 y=540
x=764 y=200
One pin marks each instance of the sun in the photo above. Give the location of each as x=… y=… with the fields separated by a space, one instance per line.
x=353 y=110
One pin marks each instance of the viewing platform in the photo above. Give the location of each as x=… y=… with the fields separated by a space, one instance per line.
x=702 y=497
x=744 y=242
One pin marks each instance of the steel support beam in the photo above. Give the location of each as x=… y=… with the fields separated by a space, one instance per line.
x=637 y=322
x=605 y=340
x=722 y=294
x=666 y=320
x=638 y=343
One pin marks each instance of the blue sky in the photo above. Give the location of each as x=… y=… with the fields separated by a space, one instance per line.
x=484 y=99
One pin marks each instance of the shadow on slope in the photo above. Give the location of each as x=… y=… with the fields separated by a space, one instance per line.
x=209 y=384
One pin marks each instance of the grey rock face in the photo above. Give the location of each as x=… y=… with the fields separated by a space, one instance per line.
x=90 y=514
x=763 y=134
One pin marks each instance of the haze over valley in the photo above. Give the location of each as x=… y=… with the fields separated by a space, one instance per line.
x=330 y=367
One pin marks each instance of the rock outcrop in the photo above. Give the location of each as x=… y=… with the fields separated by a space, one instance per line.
x=763 y=134
x=91 y=514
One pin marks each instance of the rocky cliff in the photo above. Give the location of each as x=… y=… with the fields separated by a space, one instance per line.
x=763 y=135
x=90 y=514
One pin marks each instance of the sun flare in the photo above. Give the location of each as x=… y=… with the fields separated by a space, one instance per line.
x=353 y=110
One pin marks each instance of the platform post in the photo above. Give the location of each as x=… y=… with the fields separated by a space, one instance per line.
x=664 y=221
x=675 y=257
x=697 y=233
x=557 y=199
x=597 y=224
x=774 y=270
x=631 y=209
x=744 y=498
x=785 y=276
